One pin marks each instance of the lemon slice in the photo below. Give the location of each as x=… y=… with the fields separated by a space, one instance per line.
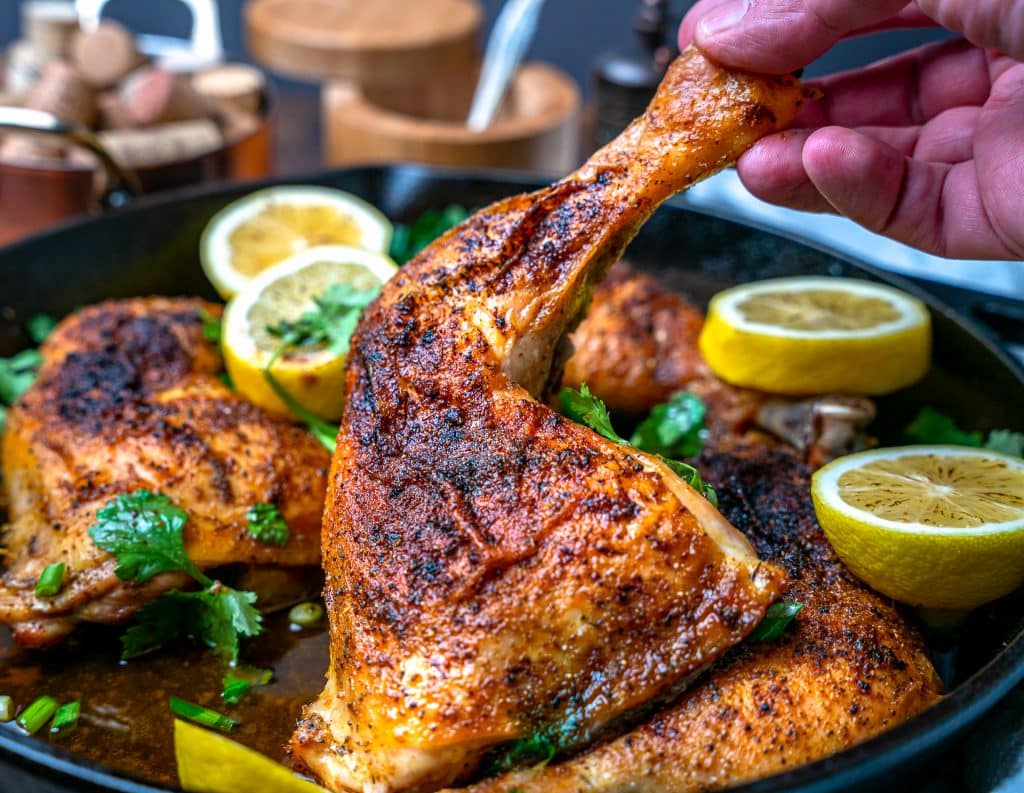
x=315 y=378
x=267 y=227
x=934 y=526
x=817 y=335
x=211 y=763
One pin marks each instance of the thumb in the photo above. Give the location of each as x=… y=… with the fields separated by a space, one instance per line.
x=778 y=36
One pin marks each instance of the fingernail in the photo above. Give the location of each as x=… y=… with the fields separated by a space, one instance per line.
x=723 y=18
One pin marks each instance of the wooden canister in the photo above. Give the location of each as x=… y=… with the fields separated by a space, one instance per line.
x=537 y=128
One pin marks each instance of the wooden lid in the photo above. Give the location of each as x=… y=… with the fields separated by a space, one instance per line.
x=369 y=41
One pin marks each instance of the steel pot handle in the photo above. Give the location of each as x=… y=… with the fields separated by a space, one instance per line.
x=122 y=184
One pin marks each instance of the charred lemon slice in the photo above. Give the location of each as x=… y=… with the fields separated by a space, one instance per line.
x=817 y=335
x=211 y=763
x=293 y=320
x=267 y=227
x=935 y=526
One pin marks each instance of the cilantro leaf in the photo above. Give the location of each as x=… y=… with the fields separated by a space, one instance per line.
x=531 y=751
x=776 y=620
x=40 y=326
x=267 y=524
x=331 y=323
x=240 y=681
x=143 y=530
x=17 y=374
x=323 y=431
x=225 y=616
x=586 y=409
x=408 y=241
x=930 y=426
x=1006 y=441
x=211 y=326
x=673 y=429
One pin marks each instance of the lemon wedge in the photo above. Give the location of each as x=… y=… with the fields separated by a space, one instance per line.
x=815 y=335
x=211 y=763
x=267 y=227
x=313 y=377
x=935 y=526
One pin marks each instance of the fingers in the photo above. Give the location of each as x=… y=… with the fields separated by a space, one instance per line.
x=778 y=36
x=994 y=24
x=934 y=206
x=907 y=89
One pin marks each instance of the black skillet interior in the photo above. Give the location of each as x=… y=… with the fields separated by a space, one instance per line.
x=152 y=249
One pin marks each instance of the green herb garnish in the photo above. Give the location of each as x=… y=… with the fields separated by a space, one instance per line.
x=66 y=717
x=50 y=580
x=211 y=326
x=538 y=749
x=40 y=326
x=17 y=374
x=37 y=714
x=267 y=524
x=202 y=716
x=408 y=241
x=239 y=682
x=675 y=429
x=931 y=426
x=776 y=620
x=328 y=326
x=143 y=531
x=586 y=409
x=306 y=615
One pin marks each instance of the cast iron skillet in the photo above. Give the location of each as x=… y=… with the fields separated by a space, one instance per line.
x=151 y=248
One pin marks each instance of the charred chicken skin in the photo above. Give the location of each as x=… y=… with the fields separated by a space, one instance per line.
x=493 y=570
x=848 y=668
x=128 y=398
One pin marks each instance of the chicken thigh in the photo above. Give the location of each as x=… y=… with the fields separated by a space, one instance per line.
x=496 y=573
x=128 y=398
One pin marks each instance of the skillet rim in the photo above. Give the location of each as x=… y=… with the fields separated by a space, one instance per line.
x=908 y=741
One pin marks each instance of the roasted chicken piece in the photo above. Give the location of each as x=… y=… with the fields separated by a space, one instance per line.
x=848 y=668
x=638 y=346
x=496 y=572
x=128 y=398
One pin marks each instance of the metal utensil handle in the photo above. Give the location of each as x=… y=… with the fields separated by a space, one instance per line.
x=207 y=43
x=506 y=49
x=120 y=182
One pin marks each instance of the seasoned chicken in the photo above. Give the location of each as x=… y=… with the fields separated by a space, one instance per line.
x=496 y=572
x=638 y=346
x=848 y=668
x=128 y=398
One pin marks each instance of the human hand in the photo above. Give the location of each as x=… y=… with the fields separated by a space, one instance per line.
x=926 y=147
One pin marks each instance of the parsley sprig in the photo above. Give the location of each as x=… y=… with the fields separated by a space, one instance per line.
x=329 y=326
x=675 y=427
x=144 y=533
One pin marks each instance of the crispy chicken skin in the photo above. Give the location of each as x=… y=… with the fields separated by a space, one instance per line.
x=128 y=398
x=493 y=569
x=848 y=668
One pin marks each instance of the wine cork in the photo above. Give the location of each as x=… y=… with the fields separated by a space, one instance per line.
x=49 y=26
x=106 y=55
x=63 y=93
x=237 y=84
x=140 y=148
x=112 y=113
x=24 y=67
x=156 y=96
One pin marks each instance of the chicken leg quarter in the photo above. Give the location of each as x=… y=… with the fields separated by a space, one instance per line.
x=496 y=572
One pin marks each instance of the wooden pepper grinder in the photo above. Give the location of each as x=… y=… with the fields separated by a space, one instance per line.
x=625 y=82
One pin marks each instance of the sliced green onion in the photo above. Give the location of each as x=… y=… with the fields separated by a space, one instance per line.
x=776 y=619
x=37 y=714
x=201 y=715
x=66 y=717
x=306 y=615
x=6 y=708
x=50 y=581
